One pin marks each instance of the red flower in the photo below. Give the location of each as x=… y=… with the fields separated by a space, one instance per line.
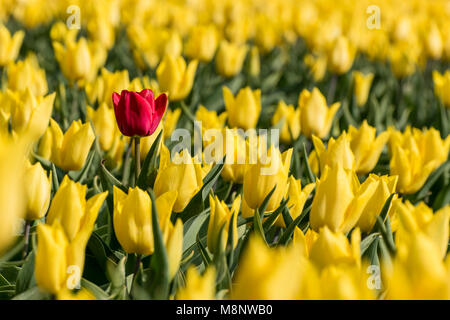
x=138 y=113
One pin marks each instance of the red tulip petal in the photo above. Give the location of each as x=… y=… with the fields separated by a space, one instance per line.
x=115 y=98
x=140 y=115
x=148 y=95
x=160 y=108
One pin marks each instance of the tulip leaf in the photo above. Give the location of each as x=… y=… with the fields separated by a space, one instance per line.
x=55 y=182
x=148 y=171
x=287 y=216
x=442 y=199
x=211 y=178
x=384 y=211
x=25 y=278
x=432 y=179
x=274 y=215
x=192 y=228
x=263 y=207
x=116 y=274
x=286 y=236
x=204 y=254
x=311 y=177
x=367 y=241
x=98 y=292
x=46 y=164
x=159 y=264
x=32 y=294
x=81 y=175
x=257 y=225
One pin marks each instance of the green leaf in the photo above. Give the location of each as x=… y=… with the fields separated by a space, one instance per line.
x=204 y=253
x=432 y=179
x=116 y=274
x=257 y=226
x=192 y=228
x=25 y=278
x=32 y=294
x=367 y=241
x=311 y=177
x=148 y=171
x=81 y=175
x=98 y=292
x=286 y=236
x=266 y=200
x=55 y=182
x=159 y=265
x=274 y=215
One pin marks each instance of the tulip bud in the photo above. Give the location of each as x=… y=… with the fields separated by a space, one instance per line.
x=38 y=189
x=50 y=268
x=262 y=177
x=68 y=151
x=230 y=58
x=219 y=223
x=341 y=56
x=103 y=121
x=202 y=43
x=361 y=87
x=138 y=113
x=366 y=147
x=210 y=119
x=338 y=151
x=198 y=287
x=30 y=114
x=170 y=122
x=174 y=247
x=237 y=156
x=10 y=45
x=182 y=174
x=244 y=109
x=442 y=86
x=339 y=199
x=102 y=89
x=316 y=118
x=433 y=43
x=175 y=78
x=290 y=129
x=27 y=74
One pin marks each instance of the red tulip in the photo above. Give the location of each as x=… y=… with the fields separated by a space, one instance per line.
x=138 y=113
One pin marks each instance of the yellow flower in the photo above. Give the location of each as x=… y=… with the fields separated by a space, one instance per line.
x=104 y=122
x=244 y=109
x=341 y=56
x=338 y=152
x=414 y=155
x=334 y=248
x=170 y=121
x=50 y=268
x=297 y=198
x=385 y=187
x=366 y=147
x=403 y=61
x=101 y=30
x=198 y=287
x=220 y=219
x=82 y=294
x=60 y=32
x=442 y=86
x=433 y=42
x=317 y=66
x=30 y=115
x=70 y=150
x=105 y=84
x=70 y=208
x=362 y=84
x=10 y=45
x=291 y=121
x=237 y=156
x=182 y=174
x=202 y=43
x=316 y=118
x=269 y=172
x=254 y=67
x=230 y=58
x=38 y=189
x=210 y=119
x=175 y=77
x=27 y=74
x=340 y=199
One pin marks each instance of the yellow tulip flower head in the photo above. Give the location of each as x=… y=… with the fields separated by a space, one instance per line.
x=341 y=56
x=10 y=45
x=175 y=77
x=38 y=189
x=291 y=121
x=442 y=86
x=316 y=118
x=198 y=287
x=104 y=122
x=362 y=84
x=27 y=74
x=202 y=43
x=244 y=109
x=230 y=58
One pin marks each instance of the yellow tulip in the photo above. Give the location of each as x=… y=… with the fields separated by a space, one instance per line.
x=70 y=208
x=10 y=45
x=316 y=118
x=104 y=122
x=433 y=42
x=244 y=109
x=220 y=219
x=102 y=30
x=27 y=74
x=50 y=268
x=133 y=220
x=262 y=177
x=174 y=247
x=442 y=86
x=30 y=114
x=210 y=119
x=82 y=294
x=403 y=61
x=175 y=77
x=366 y=146
x=202 y=43
x=338 y=152
x=340 y=199
x=181 y=174
x=414 y=155
x=38 y=189
x=334 y=248
x=254 y=67
x=317 y=65
x=362 y=84
x=105 y=85
x=341 y=56
x=170 y=121
x=385 y=187
x=61 y=33
x=237 y=152
x=198 y=287
x=70 y=150
x=291 y=121
x=230 y=58
x=297 y=198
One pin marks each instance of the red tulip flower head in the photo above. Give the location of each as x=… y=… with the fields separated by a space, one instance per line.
x=138 y=113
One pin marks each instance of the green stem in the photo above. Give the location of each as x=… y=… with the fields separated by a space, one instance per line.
x=27 y=239
x=137 y=157
x=136 y=270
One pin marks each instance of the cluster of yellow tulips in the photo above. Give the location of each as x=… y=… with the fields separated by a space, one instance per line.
x=224 y=149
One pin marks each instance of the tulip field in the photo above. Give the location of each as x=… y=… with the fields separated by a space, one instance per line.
x=224 y=149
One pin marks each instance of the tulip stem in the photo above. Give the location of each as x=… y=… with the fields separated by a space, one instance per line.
x=137 y=156
x=136 y=270
x=332 y=88
x=27 y=238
